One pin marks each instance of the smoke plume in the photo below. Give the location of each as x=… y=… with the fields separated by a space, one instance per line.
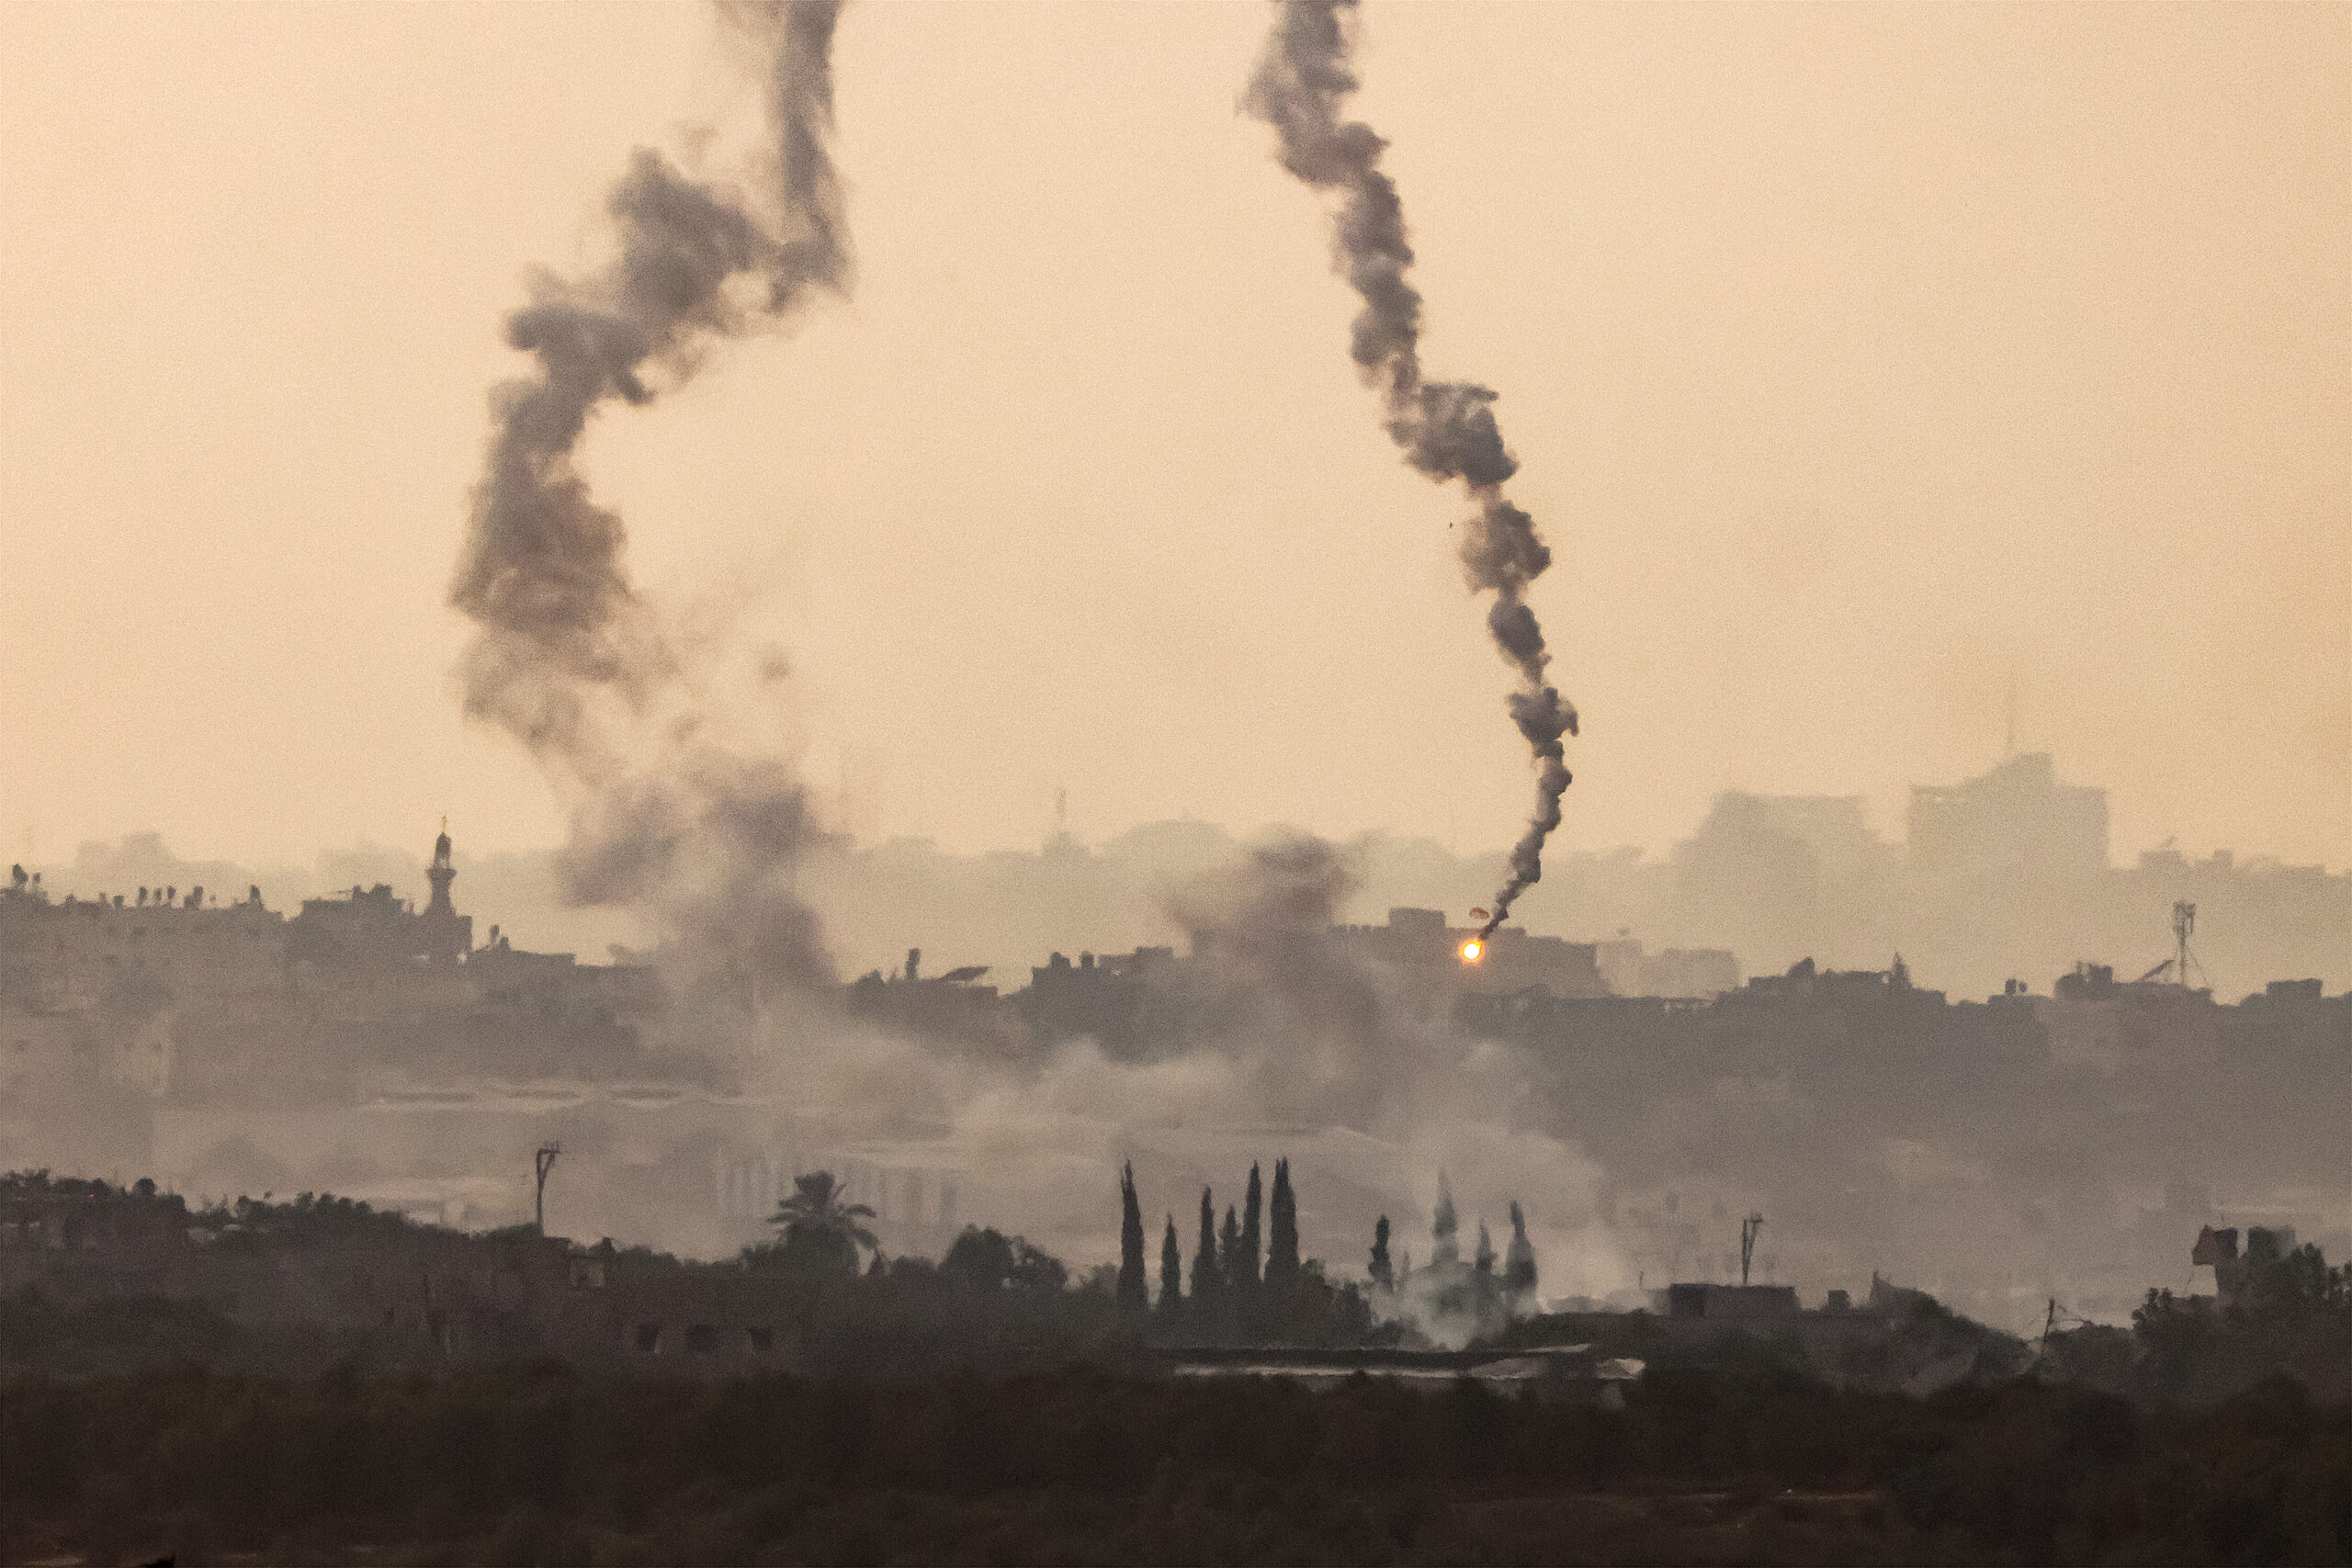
x=1445 y=429
x=569 y=656
x=1323 y=1042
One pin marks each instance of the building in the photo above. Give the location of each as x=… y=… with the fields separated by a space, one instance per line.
x=2233 y=1272
x=1740 y=1302
x=1702 y=972
x=1429 y=955
x=954 y=1006
x=370 y=927
x=1871 y=989
x=2017 y=820
x=81 y=955
x=1114 y=999
x=2095 y=1021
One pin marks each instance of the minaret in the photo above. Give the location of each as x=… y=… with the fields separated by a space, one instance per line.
x=447 y=935
x=441 y=875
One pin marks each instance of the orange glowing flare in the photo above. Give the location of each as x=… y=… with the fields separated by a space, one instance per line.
x=1470 y=951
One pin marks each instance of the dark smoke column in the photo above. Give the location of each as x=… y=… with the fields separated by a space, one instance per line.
x=1445 y=429
x=568 y=656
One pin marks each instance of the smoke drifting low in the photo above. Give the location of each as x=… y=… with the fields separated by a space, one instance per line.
x=1445 y=429
x=570 y=657
x=1323 y=1044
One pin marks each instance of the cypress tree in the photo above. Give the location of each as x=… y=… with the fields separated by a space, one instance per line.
x=1443 y=1248
x=1485 y=1258
x=1171 y=1269
x=1281 y=1248
x=1132 y=1297
x=1204 y=1279
x=1519 y=1262
x=1228 y=1251
x=1384 y=1274
x=1247 y=1276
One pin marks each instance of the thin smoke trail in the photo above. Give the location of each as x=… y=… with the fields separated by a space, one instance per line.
x=567 y=655
x=1445 y=429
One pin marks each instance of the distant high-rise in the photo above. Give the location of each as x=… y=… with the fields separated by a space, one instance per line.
x=2017 y=818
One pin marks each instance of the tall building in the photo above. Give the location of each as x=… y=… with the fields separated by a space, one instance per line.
x=1774 y=878
x=2016 y=819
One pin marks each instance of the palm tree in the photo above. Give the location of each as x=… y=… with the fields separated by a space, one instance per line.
x=815 y=1212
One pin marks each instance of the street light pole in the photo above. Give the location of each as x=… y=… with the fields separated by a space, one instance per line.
x=544 y=1162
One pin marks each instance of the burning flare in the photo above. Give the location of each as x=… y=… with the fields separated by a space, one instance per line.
x=1471 y=949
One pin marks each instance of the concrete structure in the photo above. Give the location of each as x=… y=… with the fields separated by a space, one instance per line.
x=1627 y=971
x=2015 y=820
x=1419 y=945
x=955 y=1005
x=2233 y=1271
x=2093 y=1019
x=1743 y=1303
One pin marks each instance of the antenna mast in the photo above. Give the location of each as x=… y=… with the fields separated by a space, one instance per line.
x=543 y=1162
x=1747 y=1229
x=2184 y=921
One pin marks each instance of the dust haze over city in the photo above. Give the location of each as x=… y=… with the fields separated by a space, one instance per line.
x=1708 y=641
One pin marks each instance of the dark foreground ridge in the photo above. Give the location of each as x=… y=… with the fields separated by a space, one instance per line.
x=547 y=1465
x=521 y=1402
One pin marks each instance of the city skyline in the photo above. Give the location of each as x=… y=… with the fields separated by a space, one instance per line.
x=2007 y=428
x=1887 y=816
x=2011 y=874
x=1322 y=780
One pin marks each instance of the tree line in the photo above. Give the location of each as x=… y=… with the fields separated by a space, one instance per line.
x=1248 y=1281
x=2288 y=1313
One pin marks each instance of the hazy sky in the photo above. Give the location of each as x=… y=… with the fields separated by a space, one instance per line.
x=1863 y=361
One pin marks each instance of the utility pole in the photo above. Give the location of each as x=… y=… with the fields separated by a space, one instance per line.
x=544 y=1162
x=2184 y=921
x=1747 y=1229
